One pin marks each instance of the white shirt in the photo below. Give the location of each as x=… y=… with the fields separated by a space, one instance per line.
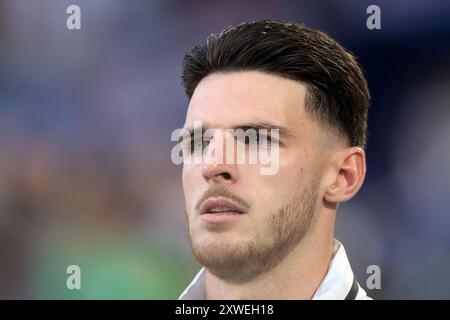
x=336 y=284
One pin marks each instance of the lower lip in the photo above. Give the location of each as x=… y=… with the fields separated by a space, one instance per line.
x=222 y=217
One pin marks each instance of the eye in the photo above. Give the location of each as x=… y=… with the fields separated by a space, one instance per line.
x=262 y=140
x=198 y=145
x=259 y=140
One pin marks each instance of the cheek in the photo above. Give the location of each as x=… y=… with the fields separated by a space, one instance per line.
x=290 y=178
x=187 y=183
x=191 y=177
x=185 y=177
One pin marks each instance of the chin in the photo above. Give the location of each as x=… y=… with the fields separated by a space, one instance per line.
x=208 y=240
x=226 y=260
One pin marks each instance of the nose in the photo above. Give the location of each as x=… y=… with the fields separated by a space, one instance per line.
x=214 y=167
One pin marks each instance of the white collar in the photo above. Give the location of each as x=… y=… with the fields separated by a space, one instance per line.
x=335 y=285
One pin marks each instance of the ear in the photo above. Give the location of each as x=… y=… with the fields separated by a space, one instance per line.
x=349 y=172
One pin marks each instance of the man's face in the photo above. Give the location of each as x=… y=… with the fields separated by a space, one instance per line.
x=278 y=209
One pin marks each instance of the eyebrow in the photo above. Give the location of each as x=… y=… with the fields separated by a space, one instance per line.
x=257 y=125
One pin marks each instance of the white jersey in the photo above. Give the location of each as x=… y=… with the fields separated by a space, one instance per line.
x=338 y=284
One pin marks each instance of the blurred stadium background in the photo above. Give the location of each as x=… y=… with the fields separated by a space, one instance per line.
x=85 y=124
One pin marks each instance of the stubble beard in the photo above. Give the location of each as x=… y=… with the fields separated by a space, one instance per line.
x=241 y=262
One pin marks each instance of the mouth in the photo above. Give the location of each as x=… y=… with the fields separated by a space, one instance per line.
x=220 y=210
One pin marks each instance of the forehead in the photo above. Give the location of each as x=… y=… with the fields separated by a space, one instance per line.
x=227 y=99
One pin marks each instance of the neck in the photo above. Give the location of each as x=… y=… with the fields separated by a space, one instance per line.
x=296 y=277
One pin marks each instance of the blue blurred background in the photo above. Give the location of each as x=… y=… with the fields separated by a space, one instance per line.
x=85 y=123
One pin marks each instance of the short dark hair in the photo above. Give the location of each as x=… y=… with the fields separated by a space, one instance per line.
x=337 y=93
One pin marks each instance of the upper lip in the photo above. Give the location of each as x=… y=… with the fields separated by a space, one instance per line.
x=220 y=202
